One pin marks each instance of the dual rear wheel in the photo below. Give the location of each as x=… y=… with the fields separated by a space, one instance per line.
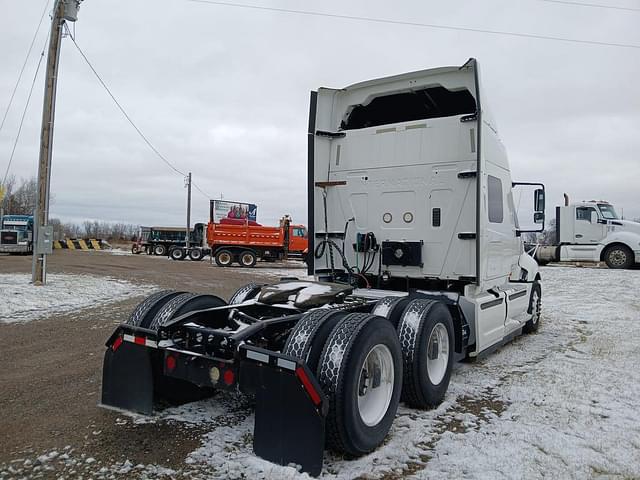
x=367 y=363
x=225 y=258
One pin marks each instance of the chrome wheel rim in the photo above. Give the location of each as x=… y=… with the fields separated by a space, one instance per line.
x=375 y=385
x=437 y=354
x=618 y=257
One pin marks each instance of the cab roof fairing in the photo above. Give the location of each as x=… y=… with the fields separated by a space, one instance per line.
x=452 y=78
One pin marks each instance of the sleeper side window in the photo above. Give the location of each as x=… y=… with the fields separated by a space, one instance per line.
x=494 y=187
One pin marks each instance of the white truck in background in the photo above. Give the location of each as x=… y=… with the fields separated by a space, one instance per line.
x=591 y=231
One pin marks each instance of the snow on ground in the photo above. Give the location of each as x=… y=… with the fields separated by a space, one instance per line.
x=119 y=252
x=20 y=301
x=561 y=403
x=285 y=269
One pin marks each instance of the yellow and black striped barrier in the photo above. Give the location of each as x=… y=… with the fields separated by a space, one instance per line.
x=79 y=244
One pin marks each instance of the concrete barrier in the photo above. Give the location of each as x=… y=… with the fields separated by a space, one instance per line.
x=79 y=244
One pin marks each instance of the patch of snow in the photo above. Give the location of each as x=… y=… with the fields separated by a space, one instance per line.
x=119 y=252
x=285 y=269
x=21 y=301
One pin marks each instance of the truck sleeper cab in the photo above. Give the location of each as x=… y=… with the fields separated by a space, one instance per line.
x=417 y=262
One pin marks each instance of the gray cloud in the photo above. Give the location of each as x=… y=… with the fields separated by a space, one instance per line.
x=223 y=92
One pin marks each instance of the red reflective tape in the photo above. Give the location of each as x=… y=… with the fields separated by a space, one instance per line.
x=306 y=383
x=139 y=340
x=116 y=343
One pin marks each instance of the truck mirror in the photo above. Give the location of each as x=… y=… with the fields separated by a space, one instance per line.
x=538 y=217
x=538 y=200
x=594 y=217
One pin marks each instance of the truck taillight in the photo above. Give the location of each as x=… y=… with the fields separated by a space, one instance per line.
x=170 y=363
x=116 y=343
x=228 y=377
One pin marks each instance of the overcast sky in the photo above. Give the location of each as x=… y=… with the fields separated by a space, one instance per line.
x=223 y=92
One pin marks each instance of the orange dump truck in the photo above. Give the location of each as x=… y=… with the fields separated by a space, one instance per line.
x=245 y=242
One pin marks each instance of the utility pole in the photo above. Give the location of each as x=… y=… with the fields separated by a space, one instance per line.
x=63 y=10
x=188 y=181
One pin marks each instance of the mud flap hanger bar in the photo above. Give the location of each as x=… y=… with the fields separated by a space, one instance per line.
x=290 y=408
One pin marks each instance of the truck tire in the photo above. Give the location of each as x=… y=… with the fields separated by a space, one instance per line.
x=159 y=250
x=391 y=308
x=174 y=390
x=618 y=256
x=181 y=304
x=247 y=292
x=426 y=336
x=535 y=303
x=224 y=258
x=308 y=337
x=196 y=254
x=134 y=249
x=176 y=253
x=360 y=370
x=247 y=258
x=147 y=309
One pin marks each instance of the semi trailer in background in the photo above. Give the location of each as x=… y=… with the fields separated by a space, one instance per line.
x=591 y=231
x=418 y=261
x=16 y=234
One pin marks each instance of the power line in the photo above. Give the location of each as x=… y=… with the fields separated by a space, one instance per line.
x=122 y=110
x=15 y=88
x=200 y=190
x=417 y=24
x=124 y=113
x=593 y=5
x=24 y=113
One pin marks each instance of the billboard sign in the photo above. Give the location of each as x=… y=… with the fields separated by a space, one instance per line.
x=232 y=210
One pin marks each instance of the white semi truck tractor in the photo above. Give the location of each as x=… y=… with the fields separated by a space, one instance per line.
x=591 y=231
x=417 y=262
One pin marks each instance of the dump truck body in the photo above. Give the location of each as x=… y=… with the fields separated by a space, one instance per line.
x=245 y=243
x=161 y=240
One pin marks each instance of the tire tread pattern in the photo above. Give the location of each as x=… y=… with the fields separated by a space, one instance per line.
x=301 y=338
x=408 y=329
x=243 y=292
x=169 y=309
x=335 y=356
x=138 y=314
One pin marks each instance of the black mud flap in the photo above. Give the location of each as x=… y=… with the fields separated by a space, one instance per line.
x=290 y=409
x=127 y=378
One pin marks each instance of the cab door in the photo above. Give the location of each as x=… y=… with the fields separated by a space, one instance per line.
x=587 y=229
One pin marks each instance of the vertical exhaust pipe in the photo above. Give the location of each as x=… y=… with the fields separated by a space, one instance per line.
x=566 y=199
